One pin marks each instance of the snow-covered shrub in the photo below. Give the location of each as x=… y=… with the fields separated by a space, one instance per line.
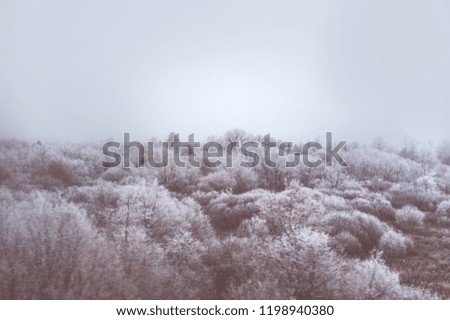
x=229 y=262
x=394 y=244
x=372 y=279
x=297 y=265
x=227 y=211
x=348 y=243
x=204 y=198
x=409 y=217
x=271 y=178
x=115 y=174
x=375 y=205
x=292 y=207
x=51 y=251
x=363 y=205
x=302 y=265
x=335 y=203
x=350 y=189
x=217 y=181
x=443 y=212
x=382 y=208
x=183 y=181
x=369 y=164
x=412 y=194
x=245 y=180
x=442 y=176
x=377 y=184
x=255 y=227
x=365 y=228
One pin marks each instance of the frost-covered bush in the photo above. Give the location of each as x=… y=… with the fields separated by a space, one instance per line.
x=373 y=279
x=51 y=251
x=409 y=217
x=255 y=227
x=442 y=176
x=245 y=180
x=394 y=244
x=365 y=228
x=100 y=201
x=228 y=211
x=217 y=181
x=57 y=174
x=151 y=247
x=443 y=212
x=271 y=178
x=353 y=193
x=363 y=205
x=204 y=198
x=375 y=165
x=377 y=184
x=414 y=194
x=382 y=208
x=161 y=215
x=229 y=262
x=335 y=203
x=348 y=243
x=183 y=181
x=375 y=205
x=299 y=265
x=190 y=277
x=115 y=174
x=292 y=207
x=350 y=189
x=302 y=265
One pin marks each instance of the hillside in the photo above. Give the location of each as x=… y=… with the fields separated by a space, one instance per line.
x=378 y=228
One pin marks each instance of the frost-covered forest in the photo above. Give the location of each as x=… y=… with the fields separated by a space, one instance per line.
x=376 y=229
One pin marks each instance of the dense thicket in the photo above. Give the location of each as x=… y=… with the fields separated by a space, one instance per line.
x=70 y=229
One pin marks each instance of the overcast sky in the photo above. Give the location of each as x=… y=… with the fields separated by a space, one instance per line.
x=90 y=70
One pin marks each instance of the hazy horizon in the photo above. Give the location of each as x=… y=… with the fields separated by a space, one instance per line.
x=91 y=70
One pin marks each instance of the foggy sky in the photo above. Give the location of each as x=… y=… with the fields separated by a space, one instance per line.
x=91 y=70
